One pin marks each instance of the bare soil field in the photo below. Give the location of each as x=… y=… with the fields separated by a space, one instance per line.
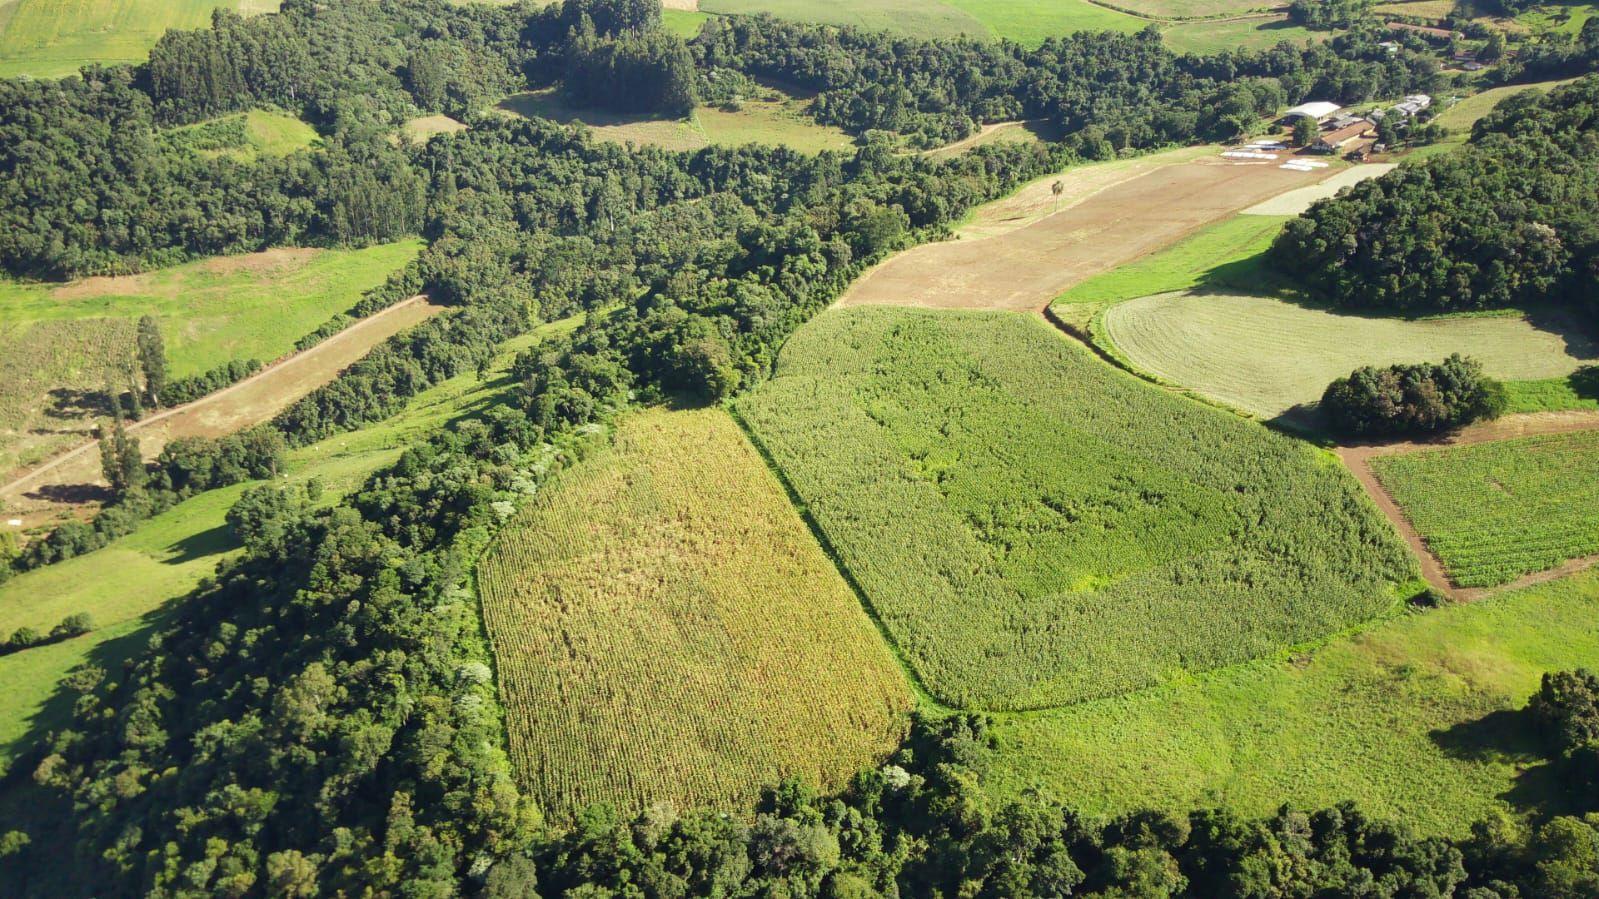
x=70 y=484
x=1112 y=224
x=1295 y=202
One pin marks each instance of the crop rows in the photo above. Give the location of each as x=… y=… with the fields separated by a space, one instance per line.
x=1496 y=511
x=1035 y=528
x=666 y=629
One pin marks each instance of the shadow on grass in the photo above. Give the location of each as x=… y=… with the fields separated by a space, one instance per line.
x=1543 y=786
x=548 y=104
x=206 y=543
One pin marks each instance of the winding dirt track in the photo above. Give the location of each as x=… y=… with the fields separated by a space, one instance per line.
x=1357 y=458
x=70 y=482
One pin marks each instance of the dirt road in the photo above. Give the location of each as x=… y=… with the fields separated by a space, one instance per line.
x=70 y=484
x=1357 y=457
x=1024 y=268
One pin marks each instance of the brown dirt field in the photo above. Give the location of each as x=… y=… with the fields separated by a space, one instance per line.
x=1028 y=267
x=1357 y=457
x=684 y=5
x=70 y=485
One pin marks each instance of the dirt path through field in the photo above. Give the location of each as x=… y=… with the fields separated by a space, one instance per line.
x=70 y=483
x=1114 y=222
x=1357 y=458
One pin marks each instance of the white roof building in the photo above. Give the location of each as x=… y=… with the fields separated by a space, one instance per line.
x=1316 y=109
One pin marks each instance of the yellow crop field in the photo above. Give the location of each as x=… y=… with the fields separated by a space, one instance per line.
x=666 y=629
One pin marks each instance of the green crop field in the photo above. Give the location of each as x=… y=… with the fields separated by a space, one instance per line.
x=1418 y=719
x=771 y=119
x=1226 y=254
x=682 y=618
x=126 y=585
x=1035 y=527
x=1495 y=511
x=247 y=135
x=50 y=38
x=1269 y=357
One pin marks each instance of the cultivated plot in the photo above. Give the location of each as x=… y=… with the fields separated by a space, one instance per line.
x=1420 y=719
x=49 y=38
x=667 y=629
x=1024 y=268
x=1495 y=511
x=1268 y=357
x=1036 y=528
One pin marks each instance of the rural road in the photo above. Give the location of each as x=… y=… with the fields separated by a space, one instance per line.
x=248 y=402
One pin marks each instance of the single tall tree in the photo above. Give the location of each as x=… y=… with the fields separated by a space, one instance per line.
x=120 y=459
x=152 y=358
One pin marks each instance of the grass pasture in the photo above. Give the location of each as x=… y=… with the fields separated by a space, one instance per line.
x=1495 y=511
x=51 y=38
x=126 y=585
x=771 y=119
x=248 y=135
x=1035 y=528
x=662 y=603
x=1269 y=357
x=1417 y=719
x=1214 y=36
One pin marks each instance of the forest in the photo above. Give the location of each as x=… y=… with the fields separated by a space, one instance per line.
x=309 y=722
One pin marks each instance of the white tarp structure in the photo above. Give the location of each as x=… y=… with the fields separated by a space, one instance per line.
x=1317 y=109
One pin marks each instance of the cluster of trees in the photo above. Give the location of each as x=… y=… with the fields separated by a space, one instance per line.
x=1508 y=221
x=1412 y=399
x=187 y=390
x=74 y=625
x=1555 y=54
x=1325 y=15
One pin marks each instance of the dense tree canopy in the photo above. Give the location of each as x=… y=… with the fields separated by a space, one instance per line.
x=1412 y=399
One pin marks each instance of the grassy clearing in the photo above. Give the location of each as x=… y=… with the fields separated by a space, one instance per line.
x=1564 y=17
x=683 y=22
x=770 y=119
x=50 y=38
x=1029 y=22
x=1417 y=719
x=1195 y=9
x=421 y=128
x=127 y=585
x=1237 y=34
x=662 y=603
x=1495 y=511
x=247 y=135
x=1036 y=528
x=917 y=18
x=1579 y=390
x=1226 y=253
x=1267 y=356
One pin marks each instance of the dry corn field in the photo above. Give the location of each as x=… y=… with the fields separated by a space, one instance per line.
x=666 y=629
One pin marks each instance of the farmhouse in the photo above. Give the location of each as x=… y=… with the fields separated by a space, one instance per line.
x=1337 y=139
x=1413 y=105
x=1319 y=110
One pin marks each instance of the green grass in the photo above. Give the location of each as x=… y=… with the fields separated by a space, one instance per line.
x=1029 y=22
x=1240 y=34
x=772 y=118
x=1036 y=528
x=636 y=595
x=916 y=18
x=212 y=311
x=1564 y=17
x=1461 y=115
x=1579 y=390
x=1495 y=511
x=1228 y=253
x=1416 y=719
x=51 y=38
x=246 y=136
x=683 y=22
x=127 y=585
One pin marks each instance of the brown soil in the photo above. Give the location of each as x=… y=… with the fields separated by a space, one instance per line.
x=267 y=261
x=1026 y=268
x=1357 y=457
x=69 y=485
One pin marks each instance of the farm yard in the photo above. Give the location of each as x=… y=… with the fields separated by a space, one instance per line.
x=1025 y=268
x=1419 y=719
x=1495 y=511
x=680 y=618
x=1269 y=357
x=996 y=490
x=61 y=345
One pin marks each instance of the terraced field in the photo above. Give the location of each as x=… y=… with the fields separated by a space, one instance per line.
x=1035 y=528
x=1270 y=357
x=666 y=629
x=1495 y=511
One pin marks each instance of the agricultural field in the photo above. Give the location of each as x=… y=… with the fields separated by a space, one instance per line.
x=671 y=632
x=1295 y=202
x=1226 y=254
x=1036 y=528
x=1019 y=255
x=772 y=119
x=126 y=585
x=1417 y=719
x=62 y=344
x=51 y=38
x=1214 y=36
x=1495 y=511
x=1270 y=357
x=246 y=136
x=1576 y=391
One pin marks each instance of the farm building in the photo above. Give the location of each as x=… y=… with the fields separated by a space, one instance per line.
x=1316 y=109
x=1336 y=140
x=1413 y=105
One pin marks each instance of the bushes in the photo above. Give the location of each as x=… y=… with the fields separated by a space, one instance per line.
x=1566 y=708
x=187 y=390
x=1412 y=399
x=75 y=625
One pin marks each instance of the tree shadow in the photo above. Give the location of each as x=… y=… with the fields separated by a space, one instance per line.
x=206 y=543
x=1542 y=786
x=72 y=494
x=1580 y=336
x=72 y=403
